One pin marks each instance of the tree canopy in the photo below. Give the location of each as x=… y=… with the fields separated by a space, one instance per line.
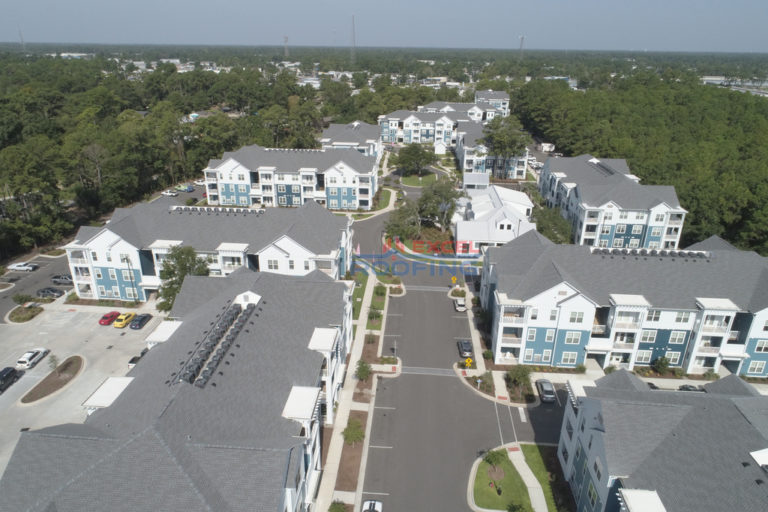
x=180 y=262
x=414 y=159
x=504 y=136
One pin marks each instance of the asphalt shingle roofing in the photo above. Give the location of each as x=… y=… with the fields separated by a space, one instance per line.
x=525 y=266
x=292 y=160
x=353 y=132
x=692 y=448
x=310 y=225
x=170 y=446
x=601 y=181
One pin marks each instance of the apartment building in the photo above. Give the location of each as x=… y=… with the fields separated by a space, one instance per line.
x=556 y=305
x=360 y=136
x=607 y=206
x=477 y=165
x=626 y=448
x=225 y=415
x=498 y=99
x=408 y=127
x=122 y=260
x=253 y=176
x=490 y=217
x=477 y=112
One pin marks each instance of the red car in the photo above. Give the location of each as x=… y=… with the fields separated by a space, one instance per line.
x=109 y=318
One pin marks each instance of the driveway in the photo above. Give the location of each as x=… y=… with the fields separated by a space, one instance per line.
x=65 y=331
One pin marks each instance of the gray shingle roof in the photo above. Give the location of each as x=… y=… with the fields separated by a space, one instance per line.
x=291 y=160
x=525 y=265
x=496 y=95
x=689 y=447
x=604 y=180
x=427 y=117
x=357 y=131
x=473 y=133
x=310 y=225
x=169 y=446
x=711 y=244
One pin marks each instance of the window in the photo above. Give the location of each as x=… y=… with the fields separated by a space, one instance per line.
x=762 y=346
x=608 y=216
x=644 y=356
x=592 y=494
x=653 y=315
x=126 y=275
x=97 y=272
x=637 y=229
x=306 y=265
x=674 y=357
x=756 y=367
x=656 y=231
x=296 y=200
x=547 y=356
x=621 y=229
x=281 y=188
x=272 y=264
x=282 y=200
x=332 y=180
x=653 y=245
x=682 y=317
x=112 y=274
x=677 y=337
x=115 y=291
x=244 y=201
x=634 y=243
x=333 y=191
x=598 y=470
x=623 y=214
x=765 y=326
x=605 y=230
x=648 y=337
x=334 y=203
x=572 y=337
x=602 y=243
x=618 y=243
x=109 y=256
x=290 y=264
x=94 y=257
x=295 y=189
x=241 y=188
x=659 y=217
x=528 y=357
x=550 y=335
x=568 y=358
x=534 y=314
x=131 y=293
x=577 y=317
x=531 y=334
x=640 y=216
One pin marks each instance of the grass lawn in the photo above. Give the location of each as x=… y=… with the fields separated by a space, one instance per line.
x=383 y=201
x=513 y=489
x=549 y=477
x=357 y=293
x=413 y=180
x=21 y=314
x=377 y=302
x=361 y=216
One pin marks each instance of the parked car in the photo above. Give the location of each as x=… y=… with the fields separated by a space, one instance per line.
x=8 y=376
x=651 y=385
x=169 y=193
x=23 y=266
x=689 y=387
x=64 y=279
x=31 y=358
x=546 y=390
x=49 y=293
x=200 y=183
x=135 y=359
x=140 y=321
x=372 y=506
x=465 y=348
x=460 y=304
x=108 y=318
x=124 y=319
x=185 y=187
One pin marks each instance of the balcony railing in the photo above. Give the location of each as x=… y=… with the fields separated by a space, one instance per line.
x=714 y=328
x=733 y=335
x=733 y=350
x=513 y=319
x=82 y=277
x=675 y=222
x=627 y=325
x=623 y=346
x=598 y=329
x=78 y=261
x=708 y=349
x=511 y=339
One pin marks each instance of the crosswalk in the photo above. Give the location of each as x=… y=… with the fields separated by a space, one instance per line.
x=419 y=370
x=416 y=288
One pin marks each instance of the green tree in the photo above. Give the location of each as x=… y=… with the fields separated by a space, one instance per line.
x=178 y=264
x=337 y=506
x=660 y=365
x=518 y=376
x=437 y=203
x=494 y=457
x=414 y=159
x=404 y=222
x=354 y=432
x=504 y=137
x=363 y=370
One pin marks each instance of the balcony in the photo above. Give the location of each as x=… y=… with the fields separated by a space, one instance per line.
x=733 y=350
x=514 y=319
x=675 y=221
x=78 y=261
x=708 y=349
x=623 y=346
x=598 y=329
x=626 y=325
x=82 y=276
x=511 y=340
x=733 y=335
x=600 y=345
x=718 y=328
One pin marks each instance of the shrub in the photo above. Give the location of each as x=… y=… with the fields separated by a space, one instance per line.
x=475 y=302
x=609 y=370
x=21 y=298
x=337 y=506
x=396 y=290
x=354 y=432
x=580 y=368
x=363 y=370
x=487 y=354
x=458 y=292
x=679 y=373
x=388 y=360
x=518 y=375
x=710 y=374
x=191 y=201
x=661 y=365
x=494 y=457
x=374 y=314
x=371 y=339
x=380 y=290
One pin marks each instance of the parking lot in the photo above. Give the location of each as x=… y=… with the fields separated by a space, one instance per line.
x=65 y=331
x=29 y=282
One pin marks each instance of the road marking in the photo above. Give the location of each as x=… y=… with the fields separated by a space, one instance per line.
x=521 y=410
x=463 y=317
x=393 y=335
x=382 y=447
x=415 y=288
x=441 y=372
x=394 y=314
x=498 y=421
x=514 y=430
x=384 y=407
x=376 y=493
x=558 y=399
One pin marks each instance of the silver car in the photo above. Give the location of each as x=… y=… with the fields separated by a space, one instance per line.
x=546 y=390
x=31 y=358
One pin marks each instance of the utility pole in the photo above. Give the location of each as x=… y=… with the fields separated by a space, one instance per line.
x=522 y=41
x=354 y=42
x=285 y=46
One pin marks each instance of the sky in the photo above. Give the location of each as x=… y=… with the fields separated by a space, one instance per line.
x=635 y=25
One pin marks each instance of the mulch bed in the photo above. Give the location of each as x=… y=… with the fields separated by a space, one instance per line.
x=351 y=455
x=369 y=352
x=55 y=380
x=325 y=434
x=363 y=390
x=495 y=473
x=104 y=303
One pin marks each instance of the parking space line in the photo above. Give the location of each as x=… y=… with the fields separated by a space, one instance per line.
x=381 y=447
x=462 y=317
x=558 y=399
x=394 y=314
x=384 y=407
x=376 y=493
x=512 y=421
x=498 y=421
x=521 y=410
x=393 y=335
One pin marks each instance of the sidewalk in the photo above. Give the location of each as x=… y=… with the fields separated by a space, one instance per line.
x=535 y=492
x=326 y=494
